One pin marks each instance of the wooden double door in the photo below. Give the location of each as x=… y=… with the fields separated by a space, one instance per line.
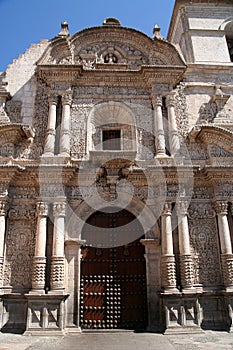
x=113 y=279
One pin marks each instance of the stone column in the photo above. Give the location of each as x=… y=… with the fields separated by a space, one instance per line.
x=158 y=125
x=3 y=210
x=51 y=127
x=221 y=208
x=39 y=261
x=186 y=262
x=57 y=261
x=168 y=265
x=173 y=132
x=65 y=125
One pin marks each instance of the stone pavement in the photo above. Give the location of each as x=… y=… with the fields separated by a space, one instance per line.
x=119 y=341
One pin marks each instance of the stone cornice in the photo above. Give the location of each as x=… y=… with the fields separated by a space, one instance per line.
x=218 y=174
x=8 y=173
x=15 y=133
x=213 y=134
x=145 y=77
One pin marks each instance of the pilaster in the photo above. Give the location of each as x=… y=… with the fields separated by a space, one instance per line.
x=153 y=257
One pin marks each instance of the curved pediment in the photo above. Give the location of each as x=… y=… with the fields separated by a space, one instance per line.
x=111 y=44
x=218 y=139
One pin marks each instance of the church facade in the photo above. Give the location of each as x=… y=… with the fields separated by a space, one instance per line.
x=116 y=185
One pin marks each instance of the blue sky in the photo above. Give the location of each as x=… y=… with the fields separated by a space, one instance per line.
x=24 y=22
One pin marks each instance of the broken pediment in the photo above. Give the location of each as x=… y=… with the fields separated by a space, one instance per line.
x=217 y=140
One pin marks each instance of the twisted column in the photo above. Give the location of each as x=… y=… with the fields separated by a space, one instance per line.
x=173 y=132
x=51 y=127
x=57 y=261
x=221 y=209
x=186 y=262
x=65 y=125
x=158 y=124
x=39 y=260
x=3 y=210
x=168 y=265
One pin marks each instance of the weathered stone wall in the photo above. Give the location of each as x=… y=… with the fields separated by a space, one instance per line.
x=22 y=86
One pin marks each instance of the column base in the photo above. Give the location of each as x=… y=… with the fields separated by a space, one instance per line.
x=189 y=290
x=56 y=292
x=161 y=155
x=168 y=291
x=37 y=292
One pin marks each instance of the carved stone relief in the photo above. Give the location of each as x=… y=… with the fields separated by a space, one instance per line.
x=217 y=151
x=79 y=114
x=7 y=150
x=13 y=108
x=40 y=119
x=181 y=111
x=110 y=53
x=204 y=244
x=19 y=253
x=208 y=112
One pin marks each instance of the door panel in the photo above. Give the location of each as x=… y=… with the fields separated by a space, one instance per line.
x=113 y=281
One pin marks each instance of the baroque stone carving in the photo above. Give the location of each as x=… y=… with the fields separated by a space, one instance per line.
x=168 y=272
x=40 y=119
x=110 y=53
x=20 y=238
x=208 y=112
x=181 y=111
x=227 y=264
x=57 y=273
x=13 y=108
x=186 y=269
x=38 y=273
x=201 y=211
x=59 y=209
x=204 y=245
x=19 y=212
x=7 y=150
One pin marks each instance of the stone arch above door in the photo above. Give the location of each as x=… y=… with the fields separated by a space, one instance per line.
x=141 y=212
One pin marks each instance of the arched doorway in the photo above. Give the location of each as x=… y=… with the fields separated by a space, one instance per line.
x=113 y=275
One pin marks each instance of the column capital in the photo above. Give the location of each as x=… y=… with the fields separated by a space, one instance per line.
x=182 y=207
x=42 y=209
x=67 y=98
x=3 y=207
x=59 y=209
x=156 y=100
x=167 y=209
x=221 y=207
x=52 y=98
x=170 y=100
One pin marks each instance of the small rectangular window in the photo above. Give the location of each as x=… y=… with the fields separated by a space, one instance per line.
x=111 y=139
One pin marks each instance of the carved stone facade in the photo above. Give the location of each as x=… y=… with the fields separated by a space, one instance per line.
x=125 y=164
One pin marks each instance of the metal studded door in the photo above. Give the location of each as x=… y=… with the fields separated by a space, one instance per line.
x=113 y=280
